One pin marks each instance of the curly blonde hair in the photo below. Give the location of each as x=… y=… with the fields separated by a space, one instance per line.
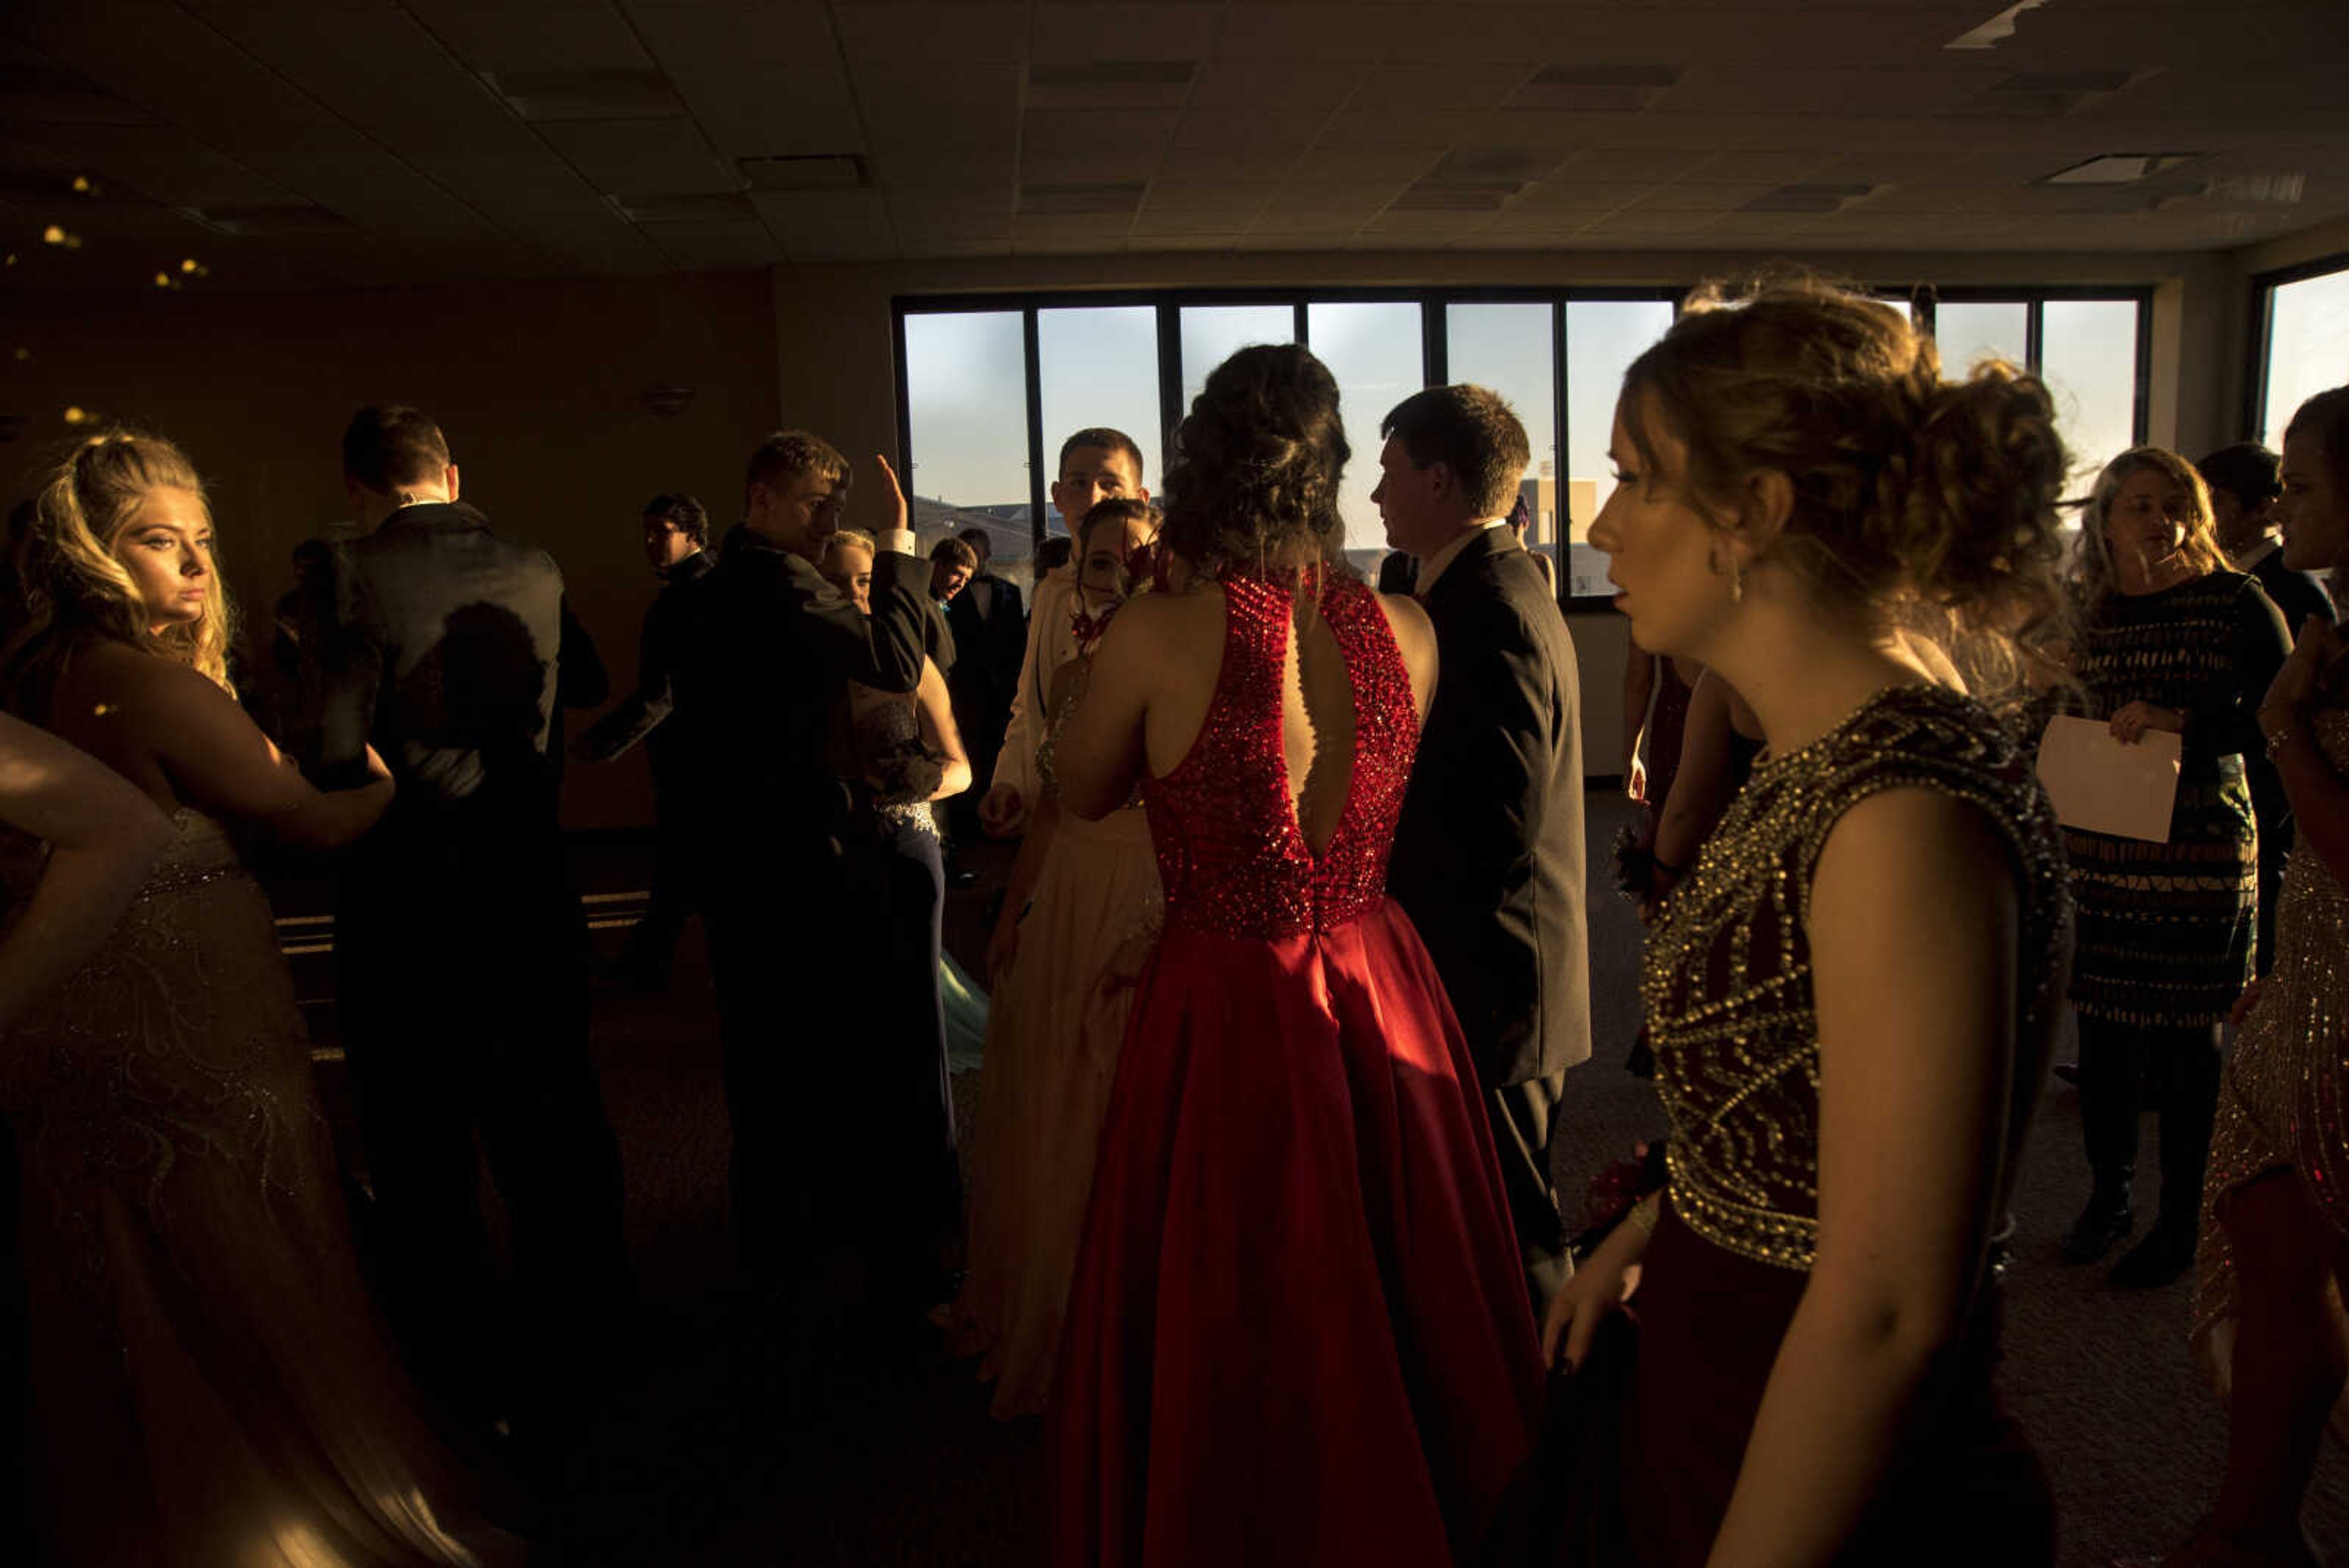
x=73 y=587
x=1920 y=503
x=2092 y=559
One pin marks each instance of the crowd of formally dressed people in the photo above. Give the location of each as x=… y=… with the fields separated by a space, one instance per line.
x=1287 y=976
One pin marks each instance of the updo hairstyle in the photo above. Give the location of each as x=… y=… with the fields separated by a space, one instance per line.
x=1255 y=470
x=1918 y=502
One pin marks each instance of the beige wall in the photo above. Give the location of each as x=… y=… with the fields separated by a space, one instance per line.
x=538 y=386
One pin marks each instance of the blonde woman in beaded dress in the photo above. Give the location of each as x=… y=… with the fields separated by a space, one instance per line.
x=2268 y=1326
x=1852 y=993
x=211 y=1384
x=1075 y=924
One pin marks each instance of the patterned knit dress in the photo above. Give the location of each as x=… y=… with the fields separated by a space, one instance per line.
x=2166 y=928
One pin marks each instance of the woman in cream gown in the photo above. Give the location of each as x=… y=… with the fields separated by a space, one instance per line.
x=1063 y=981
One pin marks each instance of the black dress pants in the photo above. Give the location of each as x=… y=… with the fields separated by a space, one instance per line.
x=1521 y=1116
x=464 y=1013
x=2122 y=1067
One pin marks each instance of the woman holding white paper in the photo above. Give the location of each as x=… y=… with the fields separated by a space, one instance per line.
x=2171 y=640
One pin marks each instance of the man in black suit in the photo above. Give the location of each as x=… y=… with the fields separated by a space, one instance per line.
x=990 y=629
x=460 y=946
x=1488 y=856
x=2245 y=481
x=676 y=539
x=826 y=1169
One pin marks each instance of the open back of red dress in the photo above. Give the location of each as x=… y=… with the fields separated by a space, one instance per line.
x=1298 y=1331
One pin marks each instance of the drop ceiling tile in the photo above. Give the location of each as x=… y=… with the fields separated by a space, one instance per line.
x=157 y=162
x=1208 y=164
x=507 y=38
x=1229 y=221
x=1415 y=87
x=1308 y=34
x=1299 y=220
x=925 y=248
x=1062 y=34
x=1183 y=242
x=1774 y=168
x=726 y=61
x=1643 y=222
x=793 y=212
x=1360 y=130
x=1252 y=87
x=1098 y=129
x=1696 y=198
x=1325 y=165
x=668 y=157
x=1105 y=166
x=715 y=247
x=1543 y=220
x=955 y=35
x=1264 y=129
x=1340 y=196
x=1568 y=195
x=1399 y=221
x=1651 y=165
x=1073 y=226
x=931 y=223
x=1208 y=196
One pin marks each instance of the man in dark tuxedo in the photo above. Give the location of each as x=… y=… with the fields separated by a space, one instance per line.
x=676 y=538
x=2245 y=481
x=990 y=628
x=460 y=941
x=828 y=1167
x=1488 y=856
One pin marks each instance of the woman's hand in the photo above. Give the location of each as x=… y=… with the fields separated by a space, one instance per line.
x=1635 y=781
x=1124 y=967
x=377 y=770
x=1598 y=1289
x=2294 y=686
x=1002 y=945
x=2248 y=1001
x=2129 y=725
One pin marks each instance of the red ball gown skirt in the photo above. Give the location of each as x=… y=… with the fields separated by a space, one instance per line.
x=1300 y=1331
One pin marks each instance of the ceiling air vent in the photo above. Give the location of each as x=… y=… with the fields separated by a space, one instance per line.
x=2118 y=168
x=586 y=95
x=1814 y=196
x=287 y=218
x=1619 y=88
x=813 y=171
x=691 y=208
x=1124 y=196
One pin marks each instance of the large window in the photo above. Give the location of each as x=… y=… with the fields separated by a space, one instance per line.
x=1095 y=367
x=2304 y=346
x=1375 y=349
x=1603 y=338
x=991 y=385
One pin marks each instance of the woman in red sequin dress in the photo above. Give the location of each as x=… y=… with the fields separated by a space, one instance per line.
x=1298 y=1331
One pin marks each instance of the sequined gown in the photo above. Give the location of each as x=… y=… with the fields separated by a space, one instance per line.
x=1726 y=984
x=2284 y=1104
x=1051 y=1055
x=1299 y=1334
x=211 y=1386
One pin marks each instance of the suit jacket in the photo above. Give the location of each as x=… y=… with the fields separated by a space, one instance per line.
x=445 y=655
x=759 y=680
x=1489 y=854
x=2296 y=594
x=648 y=713
x=990 y=645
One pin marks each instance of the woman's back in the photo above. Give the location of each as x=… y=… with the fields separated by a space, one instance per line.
x=1274 y=807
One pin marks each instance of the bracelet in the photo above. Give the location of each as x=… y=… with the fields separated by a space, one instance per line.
x=1666 y=866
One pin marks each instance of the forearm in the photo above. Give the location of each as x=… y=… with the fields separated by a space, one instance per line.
x=1840 y=1395
x=82 y=893
x=953 y=779
x=331 y=818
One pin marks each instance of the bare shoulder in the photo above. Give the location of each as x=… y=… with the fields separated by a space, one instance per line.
x=1914 y=837
x=108 y=675
x=1158 y=621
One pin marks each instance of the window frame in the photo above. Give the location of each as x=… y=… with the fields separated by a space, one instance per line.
x=1923 y=298
x=2262 y=286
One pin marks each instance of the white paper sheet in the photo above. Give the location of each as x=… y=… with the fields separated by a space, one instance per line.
x=2098 y=784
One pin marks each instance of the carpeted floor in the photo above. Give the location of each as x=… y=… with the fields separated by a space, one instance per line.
x=721 y=1443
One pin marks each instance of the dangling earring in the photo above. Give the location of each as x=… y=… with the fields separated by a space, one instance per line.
x=1735 y=574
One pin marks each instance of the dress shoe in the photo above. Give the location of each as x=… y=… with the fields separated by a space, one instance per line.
x=2098 y=1230
x=2166 y=1251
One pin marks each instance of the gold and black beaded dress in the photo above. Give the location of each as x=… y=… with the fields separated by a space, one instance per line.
x=1727 y=991
x=2284 y=1104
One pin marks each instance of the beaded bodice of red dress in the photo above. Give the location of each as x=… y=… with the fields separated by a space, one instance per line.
x=1231 y=855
